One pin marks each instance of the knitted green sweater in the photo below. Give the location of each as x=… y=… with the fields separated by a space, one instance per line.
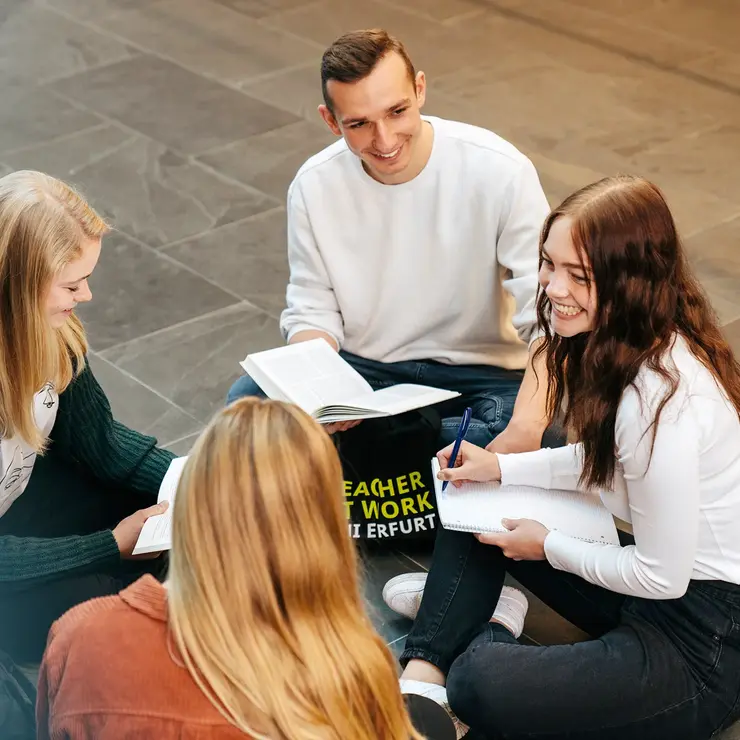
x=85 y=433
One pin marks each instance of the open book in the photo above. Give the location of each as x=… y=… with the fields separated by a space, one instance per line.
x=156 y=534
x=313 y=376
x=480 y=507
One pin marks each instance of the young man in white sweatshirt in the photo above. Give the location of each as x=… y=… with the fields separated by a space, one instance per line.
x=413 y=247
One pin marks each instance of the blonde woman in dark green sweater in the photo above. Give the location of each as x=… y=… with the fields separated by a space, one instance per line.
x=75 y=485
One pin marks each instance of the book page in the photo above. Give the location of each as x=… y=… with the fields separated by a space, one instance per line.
x=405 y=397
x=156 y=534
x=480 y=507
x=311 y=374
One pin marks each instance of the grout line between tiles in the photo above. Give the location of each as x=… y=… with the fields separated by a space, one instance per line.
x=145 y=50
x=189 y=158
x=415 y=562
x=605 y=46
x=462 y=18
x=267 y=76
x=416 y=13
x=140 y=382
x=59 y=78
x=208 y=232
x=724 y=221
x=193 y=159
x=182 y=439
x=100 y=156
x=268 y=22
x=121 y=125
x=187 y=268
x=56 y=139
x=180 y=324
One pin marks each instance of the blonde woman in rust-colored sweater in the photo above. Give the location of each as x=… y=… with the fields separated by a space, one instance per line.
x=260 y=630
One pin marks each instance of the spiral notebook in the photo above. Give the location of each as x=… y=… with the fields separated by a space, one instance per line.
x=480 y=507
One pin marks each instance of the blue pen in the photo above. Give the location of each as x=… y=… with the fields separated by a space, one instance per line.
x=462 y=430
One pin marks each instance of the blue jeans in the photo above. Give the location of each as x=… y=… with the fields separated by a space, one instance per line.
x=489 y=391
x=654 y=669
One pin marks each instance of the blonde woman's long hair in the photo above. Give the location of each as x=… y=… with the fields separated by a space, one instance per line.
x=43 y=222
x=264 y=595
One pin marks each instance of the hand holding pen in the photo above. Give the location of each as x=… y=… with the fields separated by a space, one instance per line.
x=476 y=463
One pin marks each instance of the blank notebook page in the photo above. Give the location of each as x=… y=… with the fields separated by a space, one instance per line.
x=480 y=507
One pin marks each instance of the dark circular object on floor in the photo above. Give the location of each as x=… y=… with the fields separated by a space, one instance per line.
x=429 y=718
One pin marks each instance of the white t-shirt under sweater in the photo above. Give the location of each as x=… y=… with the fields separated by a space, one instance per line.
x=684 y=505
x=443 y=267
x=17 y=457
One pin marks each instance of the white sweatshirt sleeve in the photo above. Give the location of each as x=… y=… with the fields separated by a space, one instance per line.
x=311 y=302
x=556 y=468
x=663 y=495
x=517 y=249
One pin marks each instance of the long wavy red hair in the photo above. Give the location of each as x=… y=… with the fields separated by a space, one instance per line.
x=646 y=294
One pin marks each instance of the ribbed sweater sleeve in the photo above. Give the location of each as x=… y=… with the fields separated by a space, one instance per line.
x=86 y=433
x=25 y=560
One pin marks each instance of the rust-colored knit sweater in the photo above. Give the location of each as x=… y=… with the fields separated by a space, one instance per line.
x=108 y=674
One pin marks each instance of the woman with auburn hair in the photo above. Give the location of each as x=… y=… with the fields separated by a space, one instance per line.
x=75 y=485
x=652 y=395
x=260 y=629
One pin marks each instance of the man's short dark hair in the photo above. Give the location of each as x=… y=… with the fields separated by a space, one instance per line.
x=353 y=56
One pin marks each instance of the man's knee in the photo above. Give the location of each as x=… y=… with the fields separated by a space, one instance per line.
x=479 y=433
x=243 y=387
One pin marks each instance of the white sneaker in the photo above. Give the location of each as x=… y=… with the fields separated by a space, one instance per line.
x=403 y=595
x=437 y=694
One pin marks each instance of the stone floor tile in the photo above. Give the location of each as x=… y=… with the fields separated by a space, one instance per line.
x=699 y=158
x=441 y=10
x=722 y=67
x=38 y=45
x=31 y=117
x=263 y=8
x=248 y=258
x=209 y=37
x=138 y=407
x=138 y=291
x=145 y=189
x=268 y=162
x=183 y=445
x=612 y=33
x=715 y=257
x=202 y=356
x=715 y=24
x=172 y=105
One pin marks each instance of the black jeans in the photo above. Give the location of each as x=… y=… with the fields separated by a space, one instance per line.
x=654 y=669
x=59 y=501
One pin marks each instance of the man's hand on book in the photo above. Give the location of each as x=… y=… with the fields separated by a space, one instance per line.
x=473 y=464
x=128 y=531
x=341 y=426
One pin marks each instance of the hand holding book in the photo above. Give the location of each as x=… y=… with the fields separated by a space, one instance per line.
x=524 y=540
x=313 y=376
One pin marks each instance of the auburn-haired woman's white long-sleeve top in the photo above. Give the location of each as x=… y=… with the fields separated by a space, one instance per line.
x=683 y=503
